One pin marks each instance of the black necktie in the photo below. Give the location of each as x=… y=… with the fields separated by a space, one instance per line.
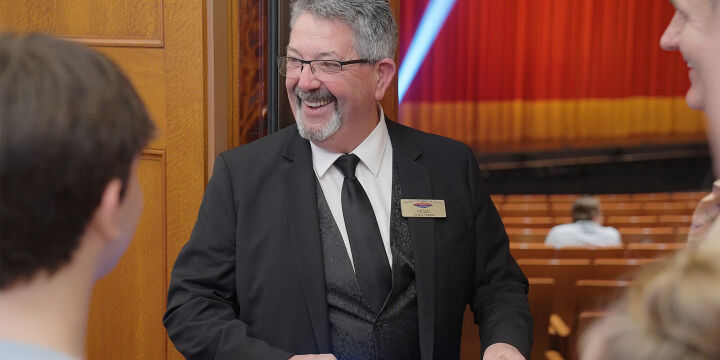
x=372 y=268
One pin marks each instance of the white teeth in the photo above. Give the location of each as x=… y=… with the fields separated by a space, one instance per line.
x=317 y=104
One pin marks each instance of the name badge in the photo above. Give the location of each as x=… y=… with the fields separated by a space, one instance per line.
x=423 y=208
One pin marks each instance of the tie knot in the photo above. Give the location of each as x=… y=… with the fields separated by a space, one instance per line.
x=347 y=164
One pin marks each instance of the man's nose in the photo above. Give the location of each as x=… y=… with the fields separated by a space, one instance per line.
x=307 y=80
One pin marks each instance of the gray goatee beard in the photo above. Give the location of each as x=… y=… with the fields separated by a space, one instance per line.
x=326 y=131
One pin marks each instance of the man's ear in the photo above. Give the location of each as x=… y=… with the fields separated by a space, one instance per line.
x=385 y=72
x=103 y=221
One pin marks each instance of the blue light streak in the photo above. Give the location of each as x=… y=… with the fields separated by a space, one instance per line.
x=432 y=21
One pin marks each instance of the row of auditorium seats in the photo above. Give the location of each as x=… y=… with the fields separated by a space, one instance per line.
x=554 y=337
x=578 y=286
x=683 y=207
x=570 y=287
x=628 y=234
x=604 y=198
x=558 y=339
x=615 y=221
x=521 y=250
x=579 y=269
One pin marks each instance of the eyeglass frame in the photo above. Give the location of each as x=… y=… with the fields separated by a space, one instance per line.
x=278 y=60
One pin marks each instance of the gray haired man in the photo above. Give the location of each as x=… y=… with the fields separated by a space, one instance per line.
x=347 y=236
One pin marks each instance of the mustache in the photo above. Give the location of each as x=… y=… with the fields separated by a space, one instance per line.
x=316 y=95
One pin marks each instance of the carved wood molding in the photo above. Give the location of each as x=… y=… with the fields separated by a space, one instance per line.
x=118 y=41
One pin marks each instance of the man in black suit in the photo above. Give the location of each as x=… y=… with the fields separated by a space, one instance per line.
x=347 y=235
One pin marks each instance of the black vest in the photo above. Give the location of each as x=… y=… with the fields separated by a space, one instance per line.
x=356 y=332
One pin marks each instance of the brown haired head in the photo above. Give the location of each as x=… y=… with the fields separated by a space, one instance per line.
x=70 y=122
x=586 y=207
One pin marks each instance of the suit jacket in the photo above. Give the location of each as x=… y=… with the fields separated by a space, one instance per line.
x=250 y=284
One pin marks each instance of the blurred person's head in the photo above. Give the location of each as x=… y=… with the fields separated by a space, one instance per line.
x=335 y=105
x=672 y=311
x=694 y=31
x=587 y=207
x=71 y=131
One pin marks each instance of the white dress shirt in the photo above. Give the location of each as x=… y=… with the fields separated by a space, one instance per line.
x=583 y=233
x=374 y=171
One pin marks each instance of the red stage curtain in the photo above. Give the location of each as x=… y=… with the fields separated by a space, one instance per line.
x=560 y=71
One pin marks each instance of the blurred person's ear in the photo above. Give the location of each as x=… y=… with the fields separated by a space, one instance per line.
x=104 y=220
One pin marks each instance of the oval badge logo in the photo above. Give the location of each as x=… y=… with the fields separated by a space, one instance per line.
x=422 y=205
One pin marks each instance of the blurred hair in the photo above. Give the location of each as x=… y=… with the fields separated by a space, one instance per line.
x=372 y=22
x=70 y=122
x=586 y=207
x=672 y=311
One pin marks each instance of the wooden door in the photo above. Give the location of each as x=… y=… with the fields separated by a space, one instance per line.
x=159 y=45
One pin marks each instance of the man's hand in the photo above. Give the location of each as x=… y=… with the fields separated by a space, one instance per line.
x=316 y=357
x=502 y=351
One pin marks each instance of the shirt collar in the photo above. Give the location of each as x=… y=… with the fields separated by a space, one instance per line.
x=370 y=151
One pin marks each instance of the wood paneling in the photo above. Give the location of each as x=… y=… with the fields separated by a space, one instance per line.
x=128 y=303
x=249 y=70
x=186 y=119
x=100 y=22
x=146 y=70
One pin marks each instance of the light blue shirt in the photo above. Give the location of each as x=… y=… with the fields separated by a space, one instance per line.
x=10 y=350
x=583 y=233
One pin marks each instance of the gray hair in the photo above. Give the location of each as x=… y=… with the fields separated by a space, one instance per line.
x=372 y=22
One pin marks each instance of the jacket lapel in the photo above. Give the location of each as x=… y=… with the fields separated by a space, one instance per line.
x=302 y=217
x=415 y=184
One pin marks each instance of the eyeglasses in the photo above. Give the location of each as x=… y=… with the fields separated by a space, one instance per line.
x=292 y=67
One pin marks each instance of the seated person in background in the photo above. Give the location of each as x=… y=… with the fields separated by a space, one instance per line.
x=672 y=311
x=72 y=131
x=586 y=229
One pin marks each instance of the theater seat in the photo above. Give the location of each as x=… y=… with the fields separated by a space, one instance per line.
x=565 y=272
x=523 y=250
x=524 y=209
x=577 y=252
x=647 y=234
x=622 y=209
x=529 y=198
x=527 y=234
x=528 y=221
x=632 y=221
x=592 y=296
x=653 y=250
x=618 y=269
x=668 y=208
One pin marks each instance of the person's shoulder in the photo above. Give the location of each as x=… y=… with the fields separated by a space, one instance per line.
x=556 y=235
x=14 y=350
x=560 y=230
x=563 y=227
x=262 y=148
x=611 y=231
